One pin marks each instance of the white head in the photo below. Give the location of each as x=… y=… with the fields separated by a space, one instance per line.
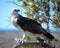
x=14 y=11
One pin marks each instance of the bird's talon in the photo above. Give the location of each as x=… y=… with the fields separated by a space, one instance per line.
x=21 y=43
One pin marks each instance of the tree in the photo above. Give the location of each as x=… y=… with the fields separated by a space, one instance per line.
x=56 y=17
x=39 y=10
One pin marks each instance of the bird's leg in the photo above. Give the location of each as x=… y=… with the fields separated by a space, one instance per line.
x=22 y=40
x=19 y=41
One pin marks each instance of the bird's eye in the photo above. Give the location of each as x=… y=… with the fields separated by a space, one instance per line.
x=15 y=9
x=18 y=10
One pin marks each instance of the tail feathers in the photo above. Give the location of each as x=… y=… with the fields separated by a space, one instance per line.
x=47 y=34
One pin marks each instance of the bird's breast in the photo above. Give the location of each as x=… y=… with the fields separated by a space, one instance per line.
x=14 y=21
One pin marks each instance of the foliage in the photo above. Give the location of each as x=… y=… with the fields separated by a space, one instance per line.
x=28 y=38
x=39 y=10
x=55 y=21
x=19 y=0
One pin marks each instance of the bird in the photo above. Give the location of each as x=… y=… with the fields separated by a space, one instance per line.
x=28 y=25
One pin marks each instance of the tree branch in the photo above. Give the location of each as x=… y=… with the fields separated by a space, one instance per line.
x=34 y=44
x=14 y=3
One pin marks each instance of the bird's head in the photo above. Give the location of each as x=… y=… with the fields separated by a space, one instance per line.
x=14 y=11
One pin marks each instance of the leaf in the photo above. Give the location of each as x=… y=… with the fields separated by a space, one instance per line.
x=35 y=9
x=28 y=38
x=32 y=4
x=19 y=0
x=30 y=0
x=24 y=4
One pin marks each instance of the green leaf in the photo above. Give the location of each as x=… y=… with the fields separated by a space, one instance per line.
x=32 y=4
x=19 y=0
x=24 y=3
x=30 y=0
x=28 y=38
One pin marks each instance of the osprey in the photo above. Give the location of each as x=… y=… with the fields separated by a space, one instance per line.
x=28 y=25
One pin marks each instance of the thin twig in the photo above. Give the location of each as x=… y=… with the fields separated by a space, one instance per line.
x=14 y=3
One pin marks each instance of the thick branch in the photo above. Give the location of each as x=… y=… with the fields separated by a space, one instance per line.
x=34 y=44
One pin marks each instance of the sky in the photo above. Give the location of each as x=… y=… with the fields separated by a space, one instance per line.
x=5 y=15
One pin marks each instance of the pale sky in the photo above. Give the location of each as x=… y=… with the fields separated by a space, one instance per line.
x=5 y=13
